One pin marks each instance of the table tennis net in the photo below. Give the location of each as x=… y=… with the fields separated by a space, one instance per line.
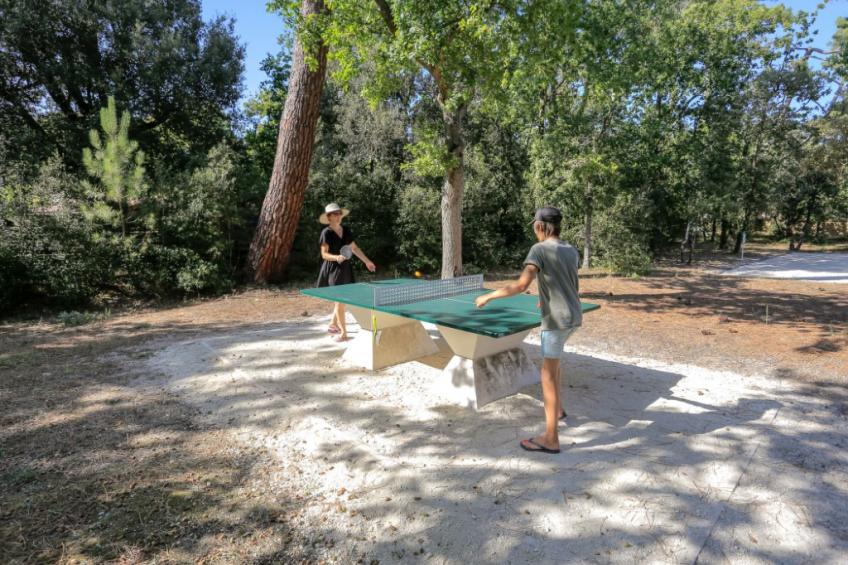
x=430 y=290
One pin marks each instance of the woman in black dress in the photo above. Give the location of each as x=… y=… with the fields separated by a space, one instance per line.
x=335 y=266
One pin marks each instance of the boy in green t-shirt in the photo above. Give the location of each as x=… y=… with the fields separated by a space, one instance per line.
x=555 y=263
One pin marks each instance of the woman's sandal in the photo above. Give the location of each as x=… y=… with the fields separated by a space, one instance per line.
x=339 y=338
x=333 y=329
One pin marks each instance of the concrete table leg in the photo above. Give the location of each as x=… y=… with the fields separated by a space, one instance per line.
x=485 y=369
x=396 y=340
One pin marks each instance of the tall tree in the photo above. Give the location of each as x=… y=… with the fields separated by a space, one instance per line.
x=468 y=49
x=271 y=247
x=178 y=76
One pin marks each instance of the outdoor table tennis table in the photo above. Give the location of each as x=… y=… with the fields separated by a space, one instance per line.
x=488 y=362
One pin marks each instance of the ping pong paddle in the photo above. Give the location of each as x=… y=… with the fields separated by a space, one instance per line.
x=346 y=251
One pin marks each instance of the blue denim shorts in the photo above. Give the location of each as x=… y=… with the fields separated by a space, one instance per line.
x=553 y=341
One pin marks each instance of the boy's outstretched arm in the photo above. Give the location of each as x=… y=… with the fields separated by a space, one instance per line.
x=517 y=287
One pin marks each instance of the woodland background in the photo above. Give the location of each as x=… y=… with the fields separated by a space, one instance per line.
x=128 y=168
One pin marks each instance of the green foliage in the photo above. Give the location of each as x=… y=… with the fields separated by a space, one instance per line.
x=202 y=217
x=264 y=110
x=418 y=228
x=46 y=250
x=622 y=237
x=178 y=76
x=641 y=117
x=428 y=155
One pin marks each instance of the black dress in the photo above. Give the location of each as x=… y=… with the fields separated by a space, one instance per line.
x=333 y=273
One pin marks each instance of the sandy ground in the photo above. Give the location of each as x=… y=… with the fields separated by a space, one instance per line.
x=662 y=462
x=708 y=418
x=819 y=267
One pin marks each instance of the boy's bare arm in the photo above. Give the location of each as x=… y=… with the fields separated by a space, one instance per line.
x=517 y=287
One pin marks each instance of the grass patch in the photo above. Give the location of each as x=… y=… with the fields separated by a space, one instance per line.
x=76 y=318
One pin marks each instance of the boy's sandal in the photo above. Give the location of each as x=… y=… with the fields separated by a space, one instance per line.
x=537 y=447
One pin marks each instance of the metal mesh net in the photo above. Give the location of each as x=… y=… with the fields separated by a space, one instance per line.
x=430 y=290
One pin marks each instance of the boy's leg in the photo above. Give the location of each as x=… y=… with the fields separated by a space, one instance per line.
x=550 y=397
x=560 y=409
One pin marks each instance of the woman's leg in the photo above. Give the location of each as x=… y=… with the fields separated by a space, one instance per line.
x=333 y=328
x=339 y=320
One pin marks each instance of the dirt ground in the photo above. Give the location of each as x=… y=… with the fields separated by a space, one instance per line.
x=95 y=469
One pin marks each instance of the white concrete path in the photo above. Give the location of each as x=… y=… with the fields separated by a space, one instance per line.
x=660 y=464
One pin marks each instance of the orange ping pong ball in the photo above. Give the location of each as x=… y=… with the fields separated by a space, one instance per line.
x=418 y=274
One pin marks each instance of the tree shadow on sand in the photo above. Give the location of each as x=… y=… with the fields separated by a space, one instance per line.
x=651 y=469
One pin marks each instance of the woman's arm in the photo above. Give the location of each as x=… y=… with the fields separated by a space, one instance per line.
x=361 y=254
x=517 y=287
x=327 y=256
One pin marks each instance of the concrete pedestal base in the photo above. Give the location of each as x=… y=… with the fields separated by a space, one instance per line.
x=476 y=382
x=396 y=340
x=482 y=370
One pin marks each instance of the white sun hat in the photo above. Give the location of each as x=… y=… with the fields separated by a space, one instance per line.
x=332 y=207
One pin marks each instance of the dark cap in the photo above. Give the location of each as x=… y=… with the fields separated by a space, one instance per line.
x=548 y=214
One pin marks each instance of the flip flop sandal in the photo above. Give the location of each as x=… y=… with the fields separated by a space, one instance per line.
x=333 y=329
x=563 y=417
x=339 y=339
x=539 y=448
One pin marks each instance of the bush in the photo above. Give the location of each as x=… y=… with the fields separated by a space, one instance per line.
x=159 y=270
x=74 y=318
x=46 y=251
x=419 y=232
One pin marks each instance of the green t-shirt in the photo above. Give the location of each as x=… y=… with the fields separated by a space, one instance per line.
x=559 y=287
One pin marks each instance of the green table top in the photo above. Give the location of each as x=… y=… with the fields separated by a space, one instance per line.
x=499 y=318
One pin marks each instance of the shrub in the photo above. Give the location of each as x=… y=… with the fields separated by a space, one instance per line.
x=75 y=318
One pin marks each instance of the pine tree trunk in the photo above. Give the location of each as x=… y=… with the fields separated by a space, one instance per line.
x=452 y=191
x=587 y=230
x=270 y=250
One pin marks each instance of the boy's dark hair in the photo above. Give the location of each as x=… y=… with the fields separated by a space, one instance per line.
x=548 y=228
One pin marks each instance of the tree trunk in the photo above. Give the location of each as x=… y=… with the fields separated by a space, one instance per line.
x=713 y=232
x=738 y=242
x=270 y=250
x=587 y=230
x=452 y=191
x=745 y=222
x=687 y=244
x=722 y=238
